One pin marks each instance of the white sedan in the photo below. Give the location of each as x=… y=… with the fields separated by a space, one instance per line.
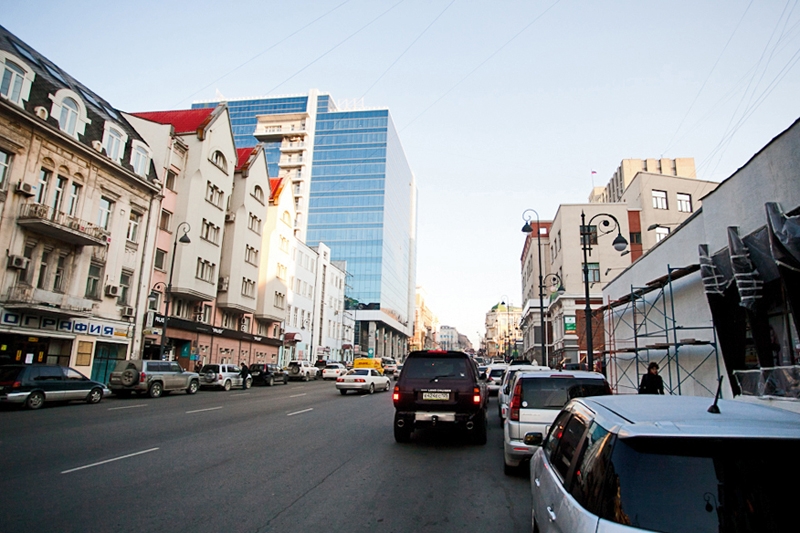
x=333 y=371
x=362 y=380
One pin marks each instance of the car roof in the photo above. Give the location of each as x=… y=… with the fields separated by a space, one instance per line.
x=632 y=415
x=550 y=373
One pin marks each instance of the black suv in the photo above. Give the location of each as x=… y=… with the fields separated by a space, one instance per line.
x=268 y=374
x=440 y=388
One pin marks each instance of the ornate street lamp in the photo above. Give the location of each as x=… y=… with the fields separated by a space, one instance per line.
x=586 y=243
x=528 y=229
x=184 y=239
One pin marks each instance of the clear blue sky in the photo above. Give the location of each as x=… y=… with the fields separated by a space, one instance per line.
x=501 y=105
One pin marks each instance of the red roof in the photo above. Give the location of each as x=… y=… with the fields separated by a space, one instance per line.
x=275 y=186
x=242 y=155
x=184 y=121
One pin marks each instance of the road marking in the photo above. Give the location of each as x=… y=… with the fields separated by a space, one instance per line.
x=297 y=395
x=298 y=412
x=203 y=410
x=108 y=461
x=127 y=407
x=241 y=394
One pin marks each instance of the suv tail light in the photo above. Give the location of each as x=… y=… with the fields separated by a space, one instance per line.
x=16 y=385
x=516 y=401
x=142 y=377
x=219 y=377
x=476 y=396
x=396 y=394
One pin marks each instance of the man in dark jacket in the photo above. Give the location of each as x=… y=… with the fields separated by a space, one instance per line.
x=244 y=372
x=652 y=382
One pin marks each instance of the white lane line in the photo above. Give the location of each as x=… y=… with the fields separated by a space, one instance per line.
x=127 y=407
x=241 y=394
x=298 y=412
x=297 y=395
x=109 y=461
x=203 y=410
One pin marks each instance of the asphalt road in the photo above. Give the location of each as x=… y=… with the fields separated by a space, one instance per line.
x=293 y=458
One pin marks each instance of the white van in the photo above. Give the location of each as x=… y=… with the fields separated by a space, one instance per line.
x=536 y=399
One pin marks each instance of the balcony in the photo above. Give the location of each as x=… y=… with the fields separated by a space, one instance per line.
x=293 y=146
x=45 y=220
x=30 y=298
x=288 y=162
x=273 y=132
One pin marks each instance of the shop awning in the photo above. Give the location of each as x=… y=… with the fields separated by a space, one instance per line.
x=292 y=337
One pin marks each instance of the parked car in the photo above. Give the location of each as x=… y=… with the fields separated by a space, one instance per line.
x=504 y=393
x=333 y=371
x=302 y=370
x=536 y=399
x=362 y=380
x=33 y=385
x=268 y=374
x=389 y=365
x=320 y=365
x=666 y=463
x=223 y=376
x=398 y=372
x=151 y=377
x=440 y=388
x=494 y=377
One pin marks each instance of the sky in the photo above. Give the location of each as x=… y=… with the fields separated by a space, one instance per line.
x=501 y=105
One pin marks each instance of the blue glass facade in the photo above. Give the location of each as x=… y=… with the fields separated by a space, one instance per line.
x=361 y=196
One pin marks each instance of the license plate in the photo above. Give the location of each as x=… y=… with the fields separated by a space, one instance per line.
x=435 y=395
x=114 y=380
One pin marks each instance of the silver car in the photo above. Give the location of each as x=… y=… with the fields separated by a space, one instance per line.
x=223 y=376
x=153 y=378
x=666 y=463
x=504 y=393
x=494 y=377
x=536 y=399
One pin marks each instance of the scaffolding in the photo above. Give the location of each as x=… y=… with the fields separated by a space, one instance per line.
x=641 y=327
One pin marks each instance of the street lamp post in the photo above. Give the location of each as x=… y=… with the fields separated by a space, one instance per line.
x=506 y=353
x=184 y=239
x=528 y=229
x=586 y=243
x=557 y=287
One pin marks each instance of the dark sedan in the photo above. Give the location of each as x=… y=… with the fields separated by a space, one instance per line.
x=33 y=385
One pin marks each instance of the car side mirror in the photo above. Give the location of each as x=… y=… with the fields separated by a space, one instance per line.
x=482 y=377
x=506 y=389
x=534 y=439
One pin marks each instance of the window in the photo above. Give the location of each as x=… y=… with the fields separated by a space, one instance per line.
x=114 y=142
x=684 y=202
x=43 y=270
x=594 y=272
x=284 y=244
x=219 y=160
x=205 y=270
x=24 y=273
x=140 y=159
x=281 y=271
x=170 y=181
x=104 y=218
x=278 y=302
x=209 y=231
x=72 y=200
x=248 y=288
x=160 y=259
x=58 y=279
x=567 y=444
x=661 y=233
x=93 y=282
x=258 y=192
x=165 y=221
x=44 y=180
x=251 y=255
x=5 y=168
x=659 y=199
x=636 y=237
x=68 y=117
x=213 y=194
x=133 y=227
x=254 y=223
x=58 y=197
x=124 y=287
x=11 y=86
x=590 y=233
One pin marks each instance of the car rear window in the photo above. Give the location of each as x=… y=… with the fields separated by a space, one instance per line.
x=210 y=368
x=702 y=484
x=554 y=393
x=333 y=367
x=359 y=372
x=8 y=375
x=435 y=367
x=497 y=372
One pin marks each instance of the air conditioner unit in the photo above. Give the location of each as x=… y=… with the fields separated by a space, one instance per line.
x=18 y=261
x=25 y=188
x=222 y=283
x=230 y=217
x=127 y=312
x=112 y=290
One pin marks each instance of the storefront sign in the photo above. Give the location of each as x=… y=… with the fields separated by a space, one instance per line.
x=569 y=324
x=79 y=326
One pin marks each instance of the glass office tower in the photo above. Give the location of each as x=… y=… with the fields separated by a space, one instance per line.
x=360 y=201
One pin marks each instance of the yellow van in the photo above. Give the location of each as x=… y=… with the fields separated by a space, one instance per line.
x=369 y=362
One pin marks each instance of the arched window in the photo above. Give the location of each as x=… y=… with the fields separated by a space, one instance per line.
x=258 y=192
x=113 y=142
x=16 y=78
x=140 y=160
x=69 y=115
x=219 y=159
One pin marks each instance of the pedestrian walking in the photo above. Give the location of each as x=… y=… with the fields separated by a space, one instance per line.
x=244 y=372
x=652 y=382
